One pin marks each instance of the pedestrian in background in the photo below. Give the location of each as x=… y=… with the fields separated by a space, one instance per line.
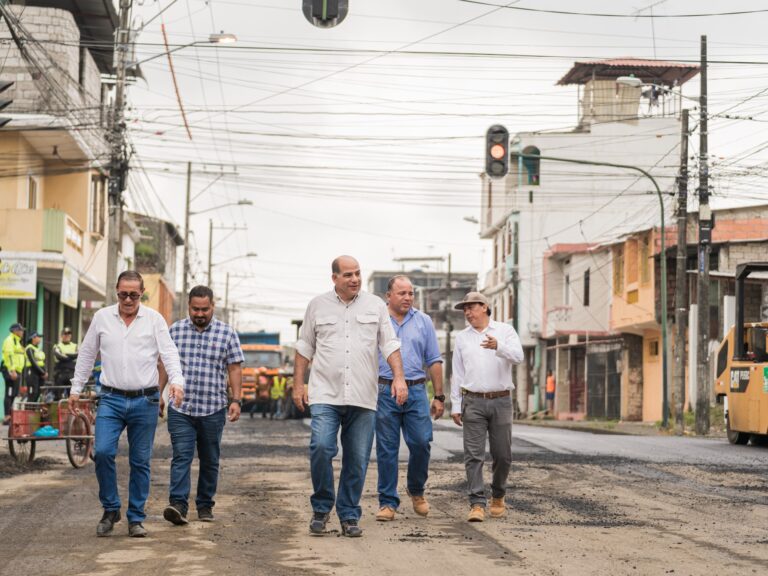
x=130 y=338
x=34 y=367
x=211 y=360
x=550 y=393
x=342 y=334
x=276 y=395
x=13 y=366
x=64 y=358
x=481 y=397
x=419 y=349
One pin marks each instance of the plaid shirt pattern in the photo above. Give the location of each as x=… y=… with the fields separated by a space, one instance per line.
x=204 y=359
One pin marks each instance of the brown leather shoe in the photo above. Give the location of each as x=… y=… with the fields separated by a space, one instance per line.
x=420 y=505
x=476 y=514
x=498 y=507
x=385 y=514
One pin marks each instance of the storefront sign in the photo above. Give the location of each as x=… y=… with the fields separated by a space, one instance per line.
x=69 y=282
x=18 y=279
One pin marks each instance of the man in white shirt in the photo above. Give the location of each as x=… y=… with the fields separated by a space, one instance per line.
x=343 y=332
x=130 y=338
x=481 y=397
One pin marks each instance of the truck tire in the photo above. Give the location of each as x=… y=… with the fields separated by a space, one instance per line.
x=734 y=437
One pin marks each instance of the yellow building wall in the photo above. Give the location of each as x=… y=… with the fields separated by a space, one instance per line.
x=70 y=193
x=652 y=369
x=19 y=161
x=624 y=312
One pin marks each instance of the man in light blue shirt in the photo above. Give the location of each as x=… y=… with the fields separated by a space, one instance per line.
x=419 y=350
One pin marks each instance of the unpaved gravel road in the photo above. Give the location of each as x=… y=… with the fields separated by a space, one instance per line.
x=568 y=514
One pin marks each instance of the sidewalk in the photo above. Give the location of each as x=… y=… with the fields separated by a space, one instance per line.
x=617 y=427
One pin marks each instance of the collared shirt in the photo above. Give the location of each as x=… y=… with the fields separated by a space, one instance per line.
x=204 y=359
x=479 y=369
x=128 y=353
x=418 y=345
x=343 y=341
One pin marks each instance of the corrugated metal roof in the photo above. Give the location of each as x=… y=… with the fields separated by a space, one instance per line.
x=662 y=72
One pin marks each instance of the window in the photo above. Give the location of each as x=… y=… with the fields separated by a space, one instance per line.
x=618 y=270
x=633 y=297
x=645 y=259
x=631 y=257
x=98 y=205
x=653 y=348
x=81 y=66
x=722 y=360
x=586 y=287
x=567 y=291
x=32 y=193
x=532 y=166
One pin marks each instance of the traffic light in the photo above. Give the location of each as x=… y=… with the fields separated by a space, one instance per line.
x=497 y=151
x=4 y=103
x=325 y=13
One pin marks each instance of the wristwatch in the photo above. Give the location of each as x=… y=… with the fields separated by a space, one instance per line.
x=235 y=401
x=440 y=397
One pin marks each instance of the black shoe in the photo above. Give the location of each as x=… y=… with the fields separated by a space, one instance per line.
x=350 y=528
x=318 y=522
x=136 y=530
x=175 y=514
x=205 y=514
x=107 y=522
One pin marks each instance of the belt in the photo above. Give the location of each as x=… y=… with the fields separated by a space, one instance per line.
x=486 y=395
x=388 y=382
x=131 y=393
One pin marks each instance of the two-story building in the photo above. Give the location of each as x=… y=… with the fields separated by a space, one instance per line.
x=53 y=198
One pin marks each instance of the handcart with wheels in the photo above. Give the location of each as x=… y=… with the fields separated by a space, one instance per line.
x=30 y=420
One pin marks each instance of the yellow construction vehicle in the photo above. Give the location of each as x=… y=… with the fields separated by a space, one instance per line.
x=741 y=383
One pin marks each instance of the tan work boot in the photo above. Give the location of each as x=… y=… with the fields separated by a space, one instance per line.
x=420 y=505
x=476 y=514
x=385 y=514
x=498 y=507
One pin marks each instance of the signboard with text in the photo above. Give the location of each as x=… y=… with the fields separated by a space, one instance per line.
x=18 y=279
x=69 y=280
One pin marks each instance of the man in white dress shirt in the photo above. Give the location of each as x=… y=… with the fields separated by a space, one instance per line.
x=130 y=338
x=481 y=396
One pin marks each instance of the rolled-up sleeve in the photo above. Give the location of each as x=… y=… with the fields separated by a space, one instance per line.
x=432 y=349
x=88 y=351
x=168 y=352
x=307 y=337
x=388 y=341
x=457 y=379
x=510 y=349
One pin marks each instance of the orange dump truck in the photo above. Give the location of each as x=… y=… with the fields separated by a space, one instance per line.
x=258 y=356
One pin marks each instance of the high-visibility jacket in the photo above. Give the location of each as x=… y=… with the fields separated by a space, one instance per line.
x=13 y=354
x=65 y=356
x=278 y=388
x=36 y=356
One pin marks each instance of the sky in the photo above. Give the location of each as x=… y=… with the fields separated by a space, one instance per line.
x=368 y=138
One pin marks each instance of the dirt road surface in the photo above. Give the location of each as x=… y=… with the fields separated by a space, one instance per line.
x=568 y=515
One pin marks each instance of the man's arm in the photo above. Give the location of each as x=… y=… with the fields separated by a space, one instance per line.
x=436 y=374
x=399 y=387
x=58 y=354
x=510 y=347
x=300 y=396
x=85 y=360
x=235 y=372
x=457 y=380
x=169 y=354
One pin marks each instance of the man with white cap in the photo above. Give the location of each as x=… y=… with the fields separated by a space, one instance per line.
x=481 y=396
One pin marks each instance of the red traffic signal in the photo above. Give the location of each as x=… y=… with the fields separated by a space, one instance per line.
x=497 y=151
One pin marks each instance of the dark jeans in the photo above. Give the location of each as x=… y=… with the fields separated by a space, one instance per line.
x=357 y=427
x=492 y=419
x=188 y=432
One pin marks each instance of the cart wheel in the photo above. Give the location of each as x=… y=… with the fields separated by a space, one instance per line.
x=23 y=451
x=79 y=449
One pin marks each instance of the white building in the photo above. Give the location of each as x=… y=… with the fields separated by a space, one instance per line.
x=543 y=202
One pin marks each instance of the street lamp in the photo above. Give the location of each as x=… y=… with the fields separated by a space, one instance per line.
x=241 y=202
x=220 y=38
x=665 y=406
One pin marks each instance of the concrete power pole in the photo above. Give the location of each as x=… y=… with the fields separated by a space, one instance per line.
x=705 y=233
x=448 y=330
x=681 y=284
x=185 y=265
x=118 y=163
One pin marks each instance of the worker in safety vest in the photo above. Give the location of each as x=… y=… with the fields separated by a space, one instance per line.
x=34 y=369
x=12 y=367
x=64 y=356
x=276 y=394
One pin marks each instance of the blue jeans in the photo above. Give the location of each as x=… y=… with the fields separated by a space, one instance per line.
x=414 y=420
x=357 y=426
x=186 y=433
x=139 y=416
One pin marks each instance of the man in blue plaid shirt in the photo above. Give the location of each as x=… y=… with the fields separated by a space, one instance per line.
x=211 y=359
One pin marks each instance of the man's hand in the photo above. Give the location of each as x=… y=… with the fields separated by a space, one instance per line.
x=490 y=343
x=436 y=409
x=399 y=391
x=300 y=396
x=74 y=403
x=233 y=414
x=162 y=406
x=175 y=394
x=456 y=419
x=13 y=375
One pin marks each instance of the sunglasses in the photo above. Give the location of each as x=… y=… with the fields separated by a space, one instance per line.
x=127 y=295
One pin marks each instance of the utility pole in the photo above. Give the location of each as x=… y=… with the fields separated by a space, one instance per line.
x=681 y=284
x=118 y=164
x=185 y=271
x=705 y=233
x=226 y=300
x=211 y=228
x=448 y=330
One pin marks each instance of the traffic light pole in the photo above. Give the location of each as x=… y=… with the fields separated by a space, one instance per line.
x=118 y=164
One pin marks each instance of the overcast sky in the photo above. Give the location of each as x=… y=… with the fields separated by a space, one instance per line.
x=367 y=138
